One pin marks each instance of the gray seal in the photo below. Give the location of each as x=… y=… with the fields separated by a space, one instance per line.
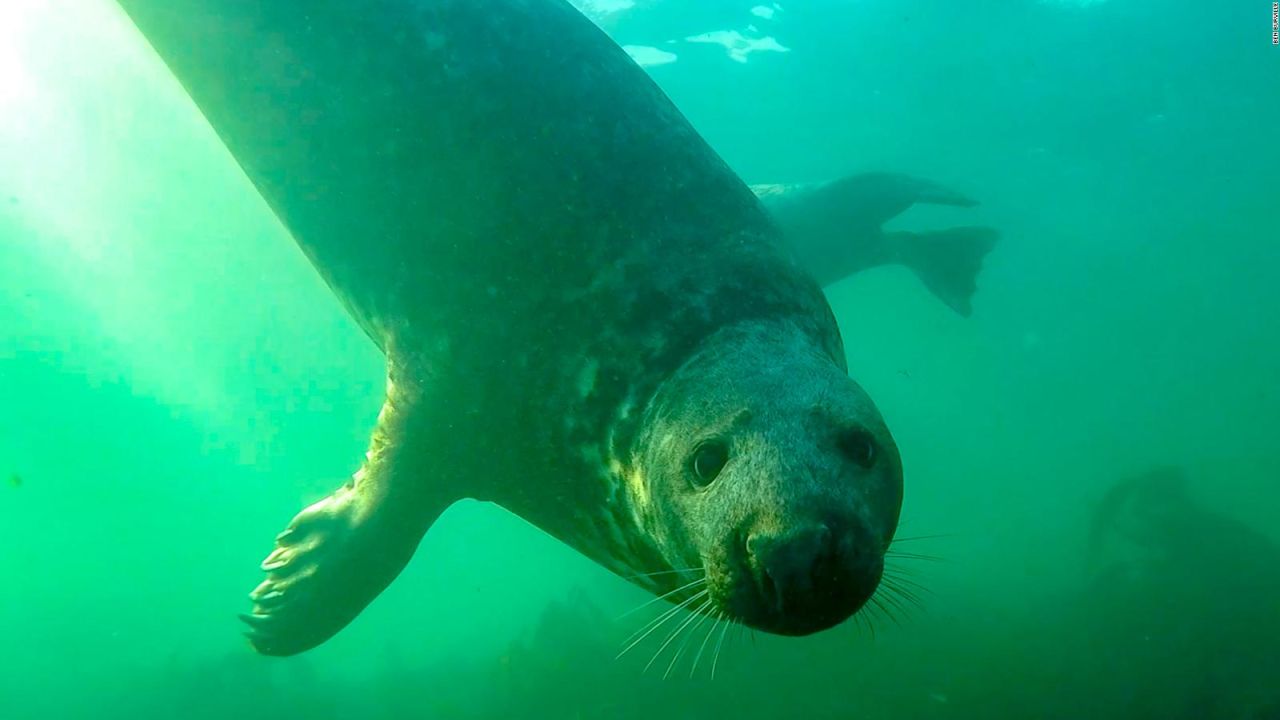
x=587 y=317
x=835 y=230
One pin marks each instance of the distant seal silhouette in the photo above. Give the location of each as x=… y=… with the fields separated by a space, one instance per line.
x=834 y=230
x=588 y=319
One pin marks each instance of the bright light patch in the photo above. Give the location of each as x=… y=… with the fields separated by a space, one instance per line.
x=737 y=45
x=599 y=9
x=125 y=218
x=764 y=11
x=646 y=55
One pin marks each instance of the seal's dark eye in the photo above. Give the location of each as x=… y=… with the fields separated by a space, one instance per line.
x=859 y=446
x=708 y=460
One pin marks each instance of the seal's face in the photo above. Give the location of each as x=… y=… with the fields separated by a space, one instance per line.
x=762 y=463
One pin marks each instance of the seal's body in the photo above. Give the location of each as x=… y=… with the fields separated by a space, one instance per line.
x=587 y=316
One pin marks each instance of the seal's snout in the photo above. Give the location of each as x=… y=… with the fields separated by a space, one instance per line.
x=789 y=565
x=810 y=577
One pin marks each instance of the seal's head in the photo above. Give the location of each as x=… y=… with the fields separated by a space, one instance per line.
x=763 y=463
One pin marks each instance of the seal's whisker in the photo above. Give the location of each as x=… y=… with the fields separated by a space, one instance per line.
x=719 y=644
x=867 y=613
x=675 y=633
x=922 y=537
x=904 y=600
x=703 y=615
x=887 y=610
x=872 y=609
x=877 y=601
x=899 y=578
x=859 y=623
x=907 y=583
x=913 y=556
x=871 y=625
x=664 y=595
x=658 y=622
x=908 y=595
x=890 y=612
x=661 y=618
x=661 y=572
x=653 y=624
x=900 y=571
x=696 y=658
x=891 y=597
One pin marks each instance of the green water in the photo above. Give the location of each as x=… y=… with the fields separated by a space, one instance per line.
x=176 y=381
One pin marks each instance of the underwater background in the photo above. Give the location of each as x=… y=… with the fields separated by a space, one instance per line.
x=1092 y=515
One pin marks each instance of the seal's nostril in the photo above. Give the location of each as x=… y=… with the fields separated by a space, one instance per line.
x=769 y=591
x=822 y=539
x=859 y=446
x=763 y=556
x=790 y=566
x=824 y=554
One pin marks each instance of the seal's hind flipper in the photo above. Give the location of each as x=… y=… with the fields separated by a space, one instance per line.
x=337 y=555
x=946 y=261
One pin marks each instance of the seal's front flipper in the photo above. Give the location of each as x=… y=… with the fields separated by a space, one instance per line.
x=946 y=261
x=340 y=553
